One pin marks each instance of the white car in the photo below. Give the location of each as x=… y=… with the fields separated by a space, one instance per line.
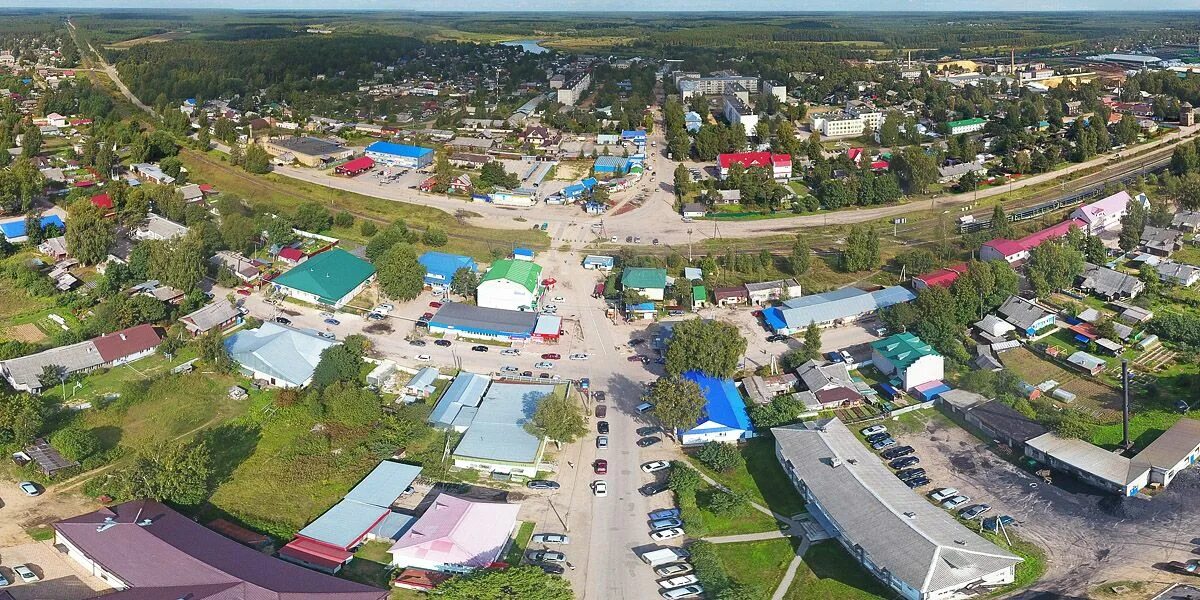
x=25 y=574
x=673 y=569
x=549 y=309
x=385 y=308
x=680 y=581
x=688 y=591
x=666 y=534
x=543 y=365
x=30 y=488
x=510 y=352
x=955 y=501
x=424 y=357
x=602 y=442
x=550 y=538
x=655 y=466
x=942 y=494
x=559 y=299
x=510 y=369
x=578 y=356
x=600 y=487
x=874 y=430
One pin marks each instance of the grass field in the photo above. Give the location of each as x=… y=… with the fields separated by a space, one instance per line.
x=829 y=573
x=284 y=195
x=701 y=522
x=760 y=563
x=520 y=541
x=157 y=38
x=761 y=479
x=1097 y=399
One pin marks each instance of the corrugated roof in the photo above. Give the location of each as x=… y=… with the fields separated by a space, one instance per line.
x=25 y=370
x=384 y=483
x=329 y=275
x=344 y=524
x=466 y=390
x=1174 y=445
x=460 y=316
x=903 y=349
x=458 y=532
x=840 y=304
x=522 y=272
x=899 y=530
x=444 y=264
x=1088 y=458
x=498 y=430
x=404 y=150
x=210 y=316
x=723 y=403
x=284 y=353
x=644 y=278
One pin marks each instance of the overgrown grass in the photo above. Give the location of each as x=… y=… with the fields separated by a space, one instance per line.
x=520 y=541
x=828 y=572
x=761 y=563
x=760 y=479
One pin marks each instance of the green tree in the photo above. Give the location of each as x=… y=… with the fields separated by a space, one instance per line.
x=212 y=350
x=801 y=258
x=712 y=347
x=367 y=228
x=678 y=402
x=75 y=443
x=21 y=417
x=90 y=235
x=526 y=582
x=683 y=479
x=175 y=473
x=313 y=217
x=31 y=141
x=812 y=341
x=465 y=282
x=256 y=160
x=1133 y=224
x=401 y=276
x=52 y=376
x=340 y=363
x=343 y=219
x=726 y=503
x=1001 y=226
x=862 y=250
x=683 y=180
x=720 y=456
x=558 y=418
x=435 y=237
x=279 y=231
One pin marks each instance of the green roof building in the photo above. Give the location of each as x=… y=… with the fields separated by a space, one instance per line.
x=650 y=282
x=909 y=360
x=510 y=285
x=966 y=125
x=699 y=296
x=331 y=278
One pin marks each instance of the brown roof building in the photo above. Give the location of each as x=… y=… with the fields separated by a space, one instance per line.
x=123 y=346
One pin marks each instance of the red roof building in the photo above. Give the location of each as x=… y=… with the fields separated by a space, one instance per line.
x=354 y=167
x=316 y=555
x=102 y=201
x=779 y=164
x=941 y=277
x=127 y=345
x=207 y=189
x=421 y=580
x=291 y=255
x=1014 y=251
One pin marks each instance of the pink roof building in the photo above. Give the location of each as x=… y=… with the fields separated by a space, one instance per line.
x=941 y=277
x=1106 y=213
x=1014 y=251
x=454 y=534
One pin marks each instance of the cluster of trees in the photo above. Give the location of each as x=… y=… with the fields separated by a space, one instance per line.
x=493 y=175
x=712 y=347
x=862 y=250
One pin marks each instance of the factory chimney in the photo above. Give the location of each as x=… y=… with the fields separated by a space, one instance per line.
x=1125 y=443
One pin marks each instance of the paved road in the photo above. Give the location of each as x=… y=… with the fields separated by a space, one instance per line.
x=111 y=71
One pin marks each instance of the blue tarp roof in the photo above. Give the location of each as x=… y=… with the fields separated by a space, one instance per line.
x=444 y=264
x=723 y=403
x=644 y=306
x=932 y=393
x=774 y=318
x=399 y=149
x=16 y=229
x=630 y=134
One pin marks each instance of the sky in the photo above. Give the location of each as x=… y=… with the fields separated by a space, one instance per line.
x=623 y=6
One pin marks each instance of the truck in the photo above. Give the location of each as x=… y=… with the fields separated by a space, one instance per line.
x=663 y=556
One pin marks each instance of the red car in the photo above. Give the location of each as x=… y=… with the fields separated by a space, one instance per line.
x=435 y=305
x=551 y=356
x=426 y=316
x=600 y=466
x=638 y=358
x=243 y=292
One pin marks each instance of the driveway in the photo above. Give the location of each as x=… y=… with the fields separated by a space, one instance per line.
x=19 y=512
x=1089 y=537
x=60 y=577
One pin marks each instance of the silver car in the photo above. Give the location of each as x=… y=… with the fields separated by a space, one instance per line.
x=550 y=538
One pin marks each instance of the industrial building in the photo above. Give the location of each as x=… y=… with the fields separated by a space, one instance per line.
x=400 y=155
x=832 y=308
x=308 y=151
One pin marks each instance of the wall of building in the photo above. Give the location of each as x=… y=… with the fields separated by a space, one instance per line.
x=501 y=293
x=87 y=563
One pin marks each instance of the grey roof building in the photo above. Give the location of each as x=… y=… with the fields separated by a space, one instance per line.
x=1160 y=241
x=23 y=373
x=1186 y=220
x=159 y=228
x=470 y=320
x=282 y=356
x=497 y=440
x=912 y=546
x=1110 y=284
x=219 y=314
x=1026 y=315
x=458 y=405
x=1173 y=451
x=1092 y=464
x=1177 y=273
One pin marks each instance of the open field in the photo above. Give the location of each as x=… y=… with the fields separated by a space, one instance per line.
x=156 y=38
x=761 y=479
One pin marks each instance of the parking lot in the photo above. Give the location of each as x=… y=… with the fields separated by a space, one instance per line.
x=59 y=577
x=1089 y=537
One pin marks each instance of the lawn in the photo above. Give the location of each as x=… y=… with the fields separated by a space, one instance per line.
x=371 y=565
x=282 y=194
x=1028 y=571
x=828 y=572
x=761 y=479
x=520 y=541
x=701 y=522
x=760 y=563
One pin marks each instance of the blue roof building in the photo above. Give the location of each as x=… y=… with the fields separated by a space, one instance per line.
x=724 y=419
x=522 y=253
x=598 y=262
x=440 y=267
x=496 y=441
x=846 y=304
x=400 y=155
x=637 y=136
x=611 y=165
x=692 y=121
x=15 y=232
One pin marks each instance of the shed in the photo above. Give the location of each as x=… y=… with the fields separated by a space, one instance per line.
x=48 y=459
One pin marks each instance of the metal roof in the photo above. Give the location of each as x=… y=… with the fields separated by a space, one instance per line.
x=25 y=370
x=1088 y=458
x=722 y=402
x=467 y=317
x=344 y=524
x=329 y=275
x=210 y=316
x=466 y=390
x=284 y=353
x=384 y=483
x=897 y=529
x=840 y=304
x=444 y=264
x=1173 y=446
x=310 y=146
x=522 y=272
x=644 y=278
x=399 y=149
x=498 y=430
x=903 y=349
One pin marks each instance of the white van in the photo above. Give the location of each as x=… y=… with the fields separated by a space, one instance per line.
x=645 y=407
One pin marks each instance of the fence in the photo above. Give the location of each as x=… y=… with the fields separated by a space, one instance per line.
x=911 y=407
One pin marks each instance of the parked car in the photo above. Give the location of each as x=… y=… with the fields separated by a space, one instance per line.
x=955 y=501
x=552 y=569
x=526 y=373
x=480 y=348
x=601 y=409
x=425 y=318
x=600 y=466
x=602 y=441
x=674 y=313
x=332 y=321
x=374 y=316
x=917 y=482
x=283 y=320
x=385 y=308
x=1191 y=567
x=442 y=343
x=542 y=484
x=579 y=356
x=655 y=465
x=687 y=591
x=943 y=493
x=639 y=358
x=3 y=581
x=666 y=523
x=974 y=511
x=559 y=299
x=551 y=356
x=679 y=581
x=878 y=437
x=417 y=343
x=26 y=574
x=906 y=474
x=549 y=309
x=665 y=513
x=509 y=369
x=673 y=569
x=644 y=431
x=435 y=305
x=549 y=556
x=873 y=430
x=422 y=324
x=897 y=452
x=550 y=538
x=327 y=335
x=778 y=337
x=651 y=489
x=243 y=292
x=885 y=443
x=602 y=427
x=600 y=488
x=543 y=365
x=644 y=407
x=904 y=463
x=995 y=523
x=636 y=342
x=424 y=357
x=648 y=441
x=510 y=352
x=666 y=534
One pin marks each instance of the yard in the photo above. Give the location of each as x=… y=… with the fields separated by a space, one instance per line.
x=761 y=478
x=760 y=563
x=701 y=522
x=1097 y=399
x=371 y=565
x=829 y=573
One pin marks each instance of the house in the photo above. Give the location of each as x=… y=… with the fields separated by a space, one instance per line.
x=1175 y=450
x=694 y=210
x=356 y=166
x=458 y=319
x=331 y=278
x=440 y=268
x=1106 y=213
x=457 y=407
x=1187 y=221
x=159 y=228
x=724 y=418
x=156 y=553
x=306 y=150
x=598 y=263
x=456 y=535
x=1109 y=284
x=1096 y=466
x=995 y=327
x=422 y=384
x=650 y=283
x=1026 y=315
x=727 y=197
x=766 y=292
x=699 y=297
x=827 y=385
x=1087 y=363
x=761 y=389
x=151 y=173
x=279 y=355
x=1177 y=273
x=244 y=268
x=55 y=248
x=400 y=155
x=941 y=277
x=510 y=285
x=1161 y=242
x=1015 y=251
x=832 y=308
x=966 y=126
x=191 y=193
x=908 y=360
x=15 y=233
x=538 y=136
x=219 y=315
x=779 y=165
x=291 y=256
x=364 y=513
x=729 y=296
x=913 y=547
x=951 y=173
x=496 y=440
x=103 y=202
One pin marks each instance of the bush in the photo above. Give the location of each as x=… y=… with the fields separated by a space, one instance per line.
x=435 y=237
x=683 y=479
x=343 y=219
x=708 y=566
x=286 y=397
x=75 y=443
x=720 y=457
x=367 y=228
x=726 y=503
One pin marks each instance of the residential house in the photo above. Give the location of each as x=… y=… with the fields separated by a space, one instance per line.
x=1187 y=221
x=952 y=173
x=291 y=256
x=699 y=297
x=151 y=173
x=694 y=210
x=159 y=228
x=422 y=384
x=457 y=407
x=827 y=385
x=724 y=418
x=909 y=361
x=1106 y=213
x=440 y=268
x=218 y=316
x=778 y=165
x=766 y=292
x=510 y=284
x=1087 y=363
x=245 y=269
x=729 y=296
x=331 y=278
x=1177 y=273
x=994 y=326
x=456 y=535
x=1109 y=284
x=650 y=283
x=1160 y=241
x=538 y=136
x=55 y=248
x=278 y=355
x=191 y=193
x=1027 y=316
x=762 y=390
